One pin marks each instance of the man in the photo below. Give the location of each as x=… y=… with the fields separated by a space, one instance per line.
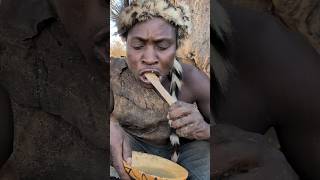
x=275 y=83
x=153 y=30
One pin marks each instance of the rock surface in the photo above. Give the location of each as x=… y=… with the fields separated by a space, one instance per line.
x=196 y=50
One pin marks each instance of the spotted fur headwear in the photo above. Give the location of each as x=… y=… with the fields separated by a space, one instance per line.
x=176 y=14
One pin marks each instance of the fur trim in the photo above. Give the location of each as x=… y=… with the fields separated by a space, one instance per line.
x=176 y=79
x=175 y=157
x=175 y=86
x=174 y=139
x=175 y=142
x=177 y=14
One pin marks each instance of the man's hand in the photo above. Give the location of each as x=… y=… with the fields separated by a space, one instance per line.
x=188 y=121
x=119 y=148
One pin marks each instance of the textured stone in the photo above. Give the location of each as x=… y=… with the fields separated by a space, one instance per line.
x=196 y=50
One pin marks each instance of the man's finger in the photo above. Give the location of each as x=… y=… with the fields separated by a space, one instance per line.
x=179 y=123
x=185 y=131
x=176 y=112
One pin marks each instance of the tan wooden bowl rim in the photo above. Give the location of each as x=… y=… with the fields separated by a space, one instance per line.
x=140 y=161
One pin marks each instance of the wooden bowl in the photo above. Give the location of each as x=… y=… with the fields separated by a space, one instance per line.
x=151 y=167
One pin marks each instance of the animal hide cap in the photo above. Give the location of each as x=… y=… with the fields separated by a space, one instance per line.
x=175 y=13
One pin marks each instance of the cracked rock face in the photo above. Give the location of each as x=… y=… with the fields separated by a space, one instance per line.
x=59 y=103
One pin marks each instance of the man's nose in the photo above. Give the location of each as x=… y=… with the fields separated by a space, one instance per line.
x=149 y=56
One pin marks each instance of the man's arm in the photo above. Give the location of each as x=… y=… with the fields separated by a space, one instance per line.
x=199 y=84
x=192 y=121
x=120 y=149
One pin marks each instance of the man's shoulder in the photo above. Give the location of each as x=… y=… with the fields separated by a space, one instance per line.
x=187 y=69
x=192 y=73
x=195 y=81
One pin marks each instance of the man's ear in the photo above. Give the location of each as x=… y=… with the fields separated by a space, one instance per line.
x=29 y=16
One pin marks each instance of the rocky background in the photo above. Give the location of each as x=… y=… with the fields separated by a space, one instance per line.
x=59 y=103
x=196 y=50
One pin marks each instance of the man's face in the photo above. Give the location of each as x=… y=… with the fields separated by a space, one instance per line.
x=151 y=46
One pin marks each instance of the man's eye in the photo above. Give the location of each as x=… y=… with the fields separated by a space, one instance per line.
x=163 y=45
x=162 y=48
x=137 y=47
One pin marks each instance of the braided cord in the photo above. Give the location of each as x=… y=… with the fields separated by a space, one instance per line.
x=175 y=86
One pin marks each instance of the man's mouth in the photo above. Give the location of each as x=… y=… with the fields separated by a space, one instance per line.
x=144 y=79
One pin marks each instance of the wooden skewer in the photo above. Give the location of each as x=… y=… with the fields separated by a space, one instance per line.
x=154 y=79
